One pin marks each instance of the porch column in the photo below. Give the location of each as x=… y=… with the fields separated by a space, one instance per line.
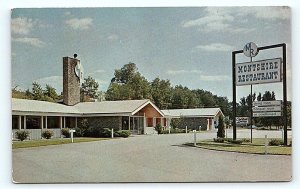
x=207 y=127
x=61 y=122
x=161 y=122
x=75 y=122
x=64 y=122
x=46 y=122
x=144 y=123
x=129 y=123
x=42 y=122
x=154 y=121
x=24 y=121
x=20 y=122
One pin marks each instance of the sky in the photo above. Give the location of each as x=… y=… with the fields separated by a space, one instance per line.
x=189 y=46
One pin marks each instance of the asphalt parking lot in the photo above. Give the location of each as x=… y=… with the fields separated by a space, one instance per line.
x=154 y=158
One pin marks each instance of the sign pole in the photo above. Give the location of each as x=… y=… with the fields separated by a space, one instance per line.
x=251 y=109
x=284 y=94
x=234 y=94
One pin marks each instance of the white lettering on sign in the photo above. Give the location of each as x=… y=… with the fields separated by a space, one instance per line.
x=267 y=103
x=250 y=50
x=262 y=71
x=242 y=120
x=267 y=109
x=266 y=114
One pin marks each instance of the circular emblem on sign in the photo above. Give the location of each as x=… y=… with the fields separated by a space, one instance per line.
x=250 y=49
x=77 y=70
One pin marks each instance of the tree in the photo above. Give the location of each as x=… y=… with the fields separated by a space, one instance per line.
x=125 y=74
x=161 y=92
x=89 y=88
x=37 y=91
x=128 y=84
x=221 y=129
x=50 y=92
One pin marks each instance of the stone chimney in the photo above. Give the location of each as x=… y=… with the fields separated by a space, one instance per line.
x=71 y=81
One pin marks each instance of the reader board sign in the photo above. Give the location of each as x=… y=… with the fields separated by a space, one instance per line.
x=258 y=72
x=267 y=103
x=267 y=109
x=242 y=120
x=266 y=114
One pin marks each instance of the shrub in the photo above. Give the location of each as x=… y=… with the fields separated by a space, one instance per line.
x=97 y=132
x=165 y=132
x=219 y=140
x=158 y=128
x=106 y=132
x=78 y=132
x=236 y=141
x=122 y=133
x=221 y=129
x=65 y=132
x=275 y=142
x=22 y=135
x=245 y=140
x=47 y=134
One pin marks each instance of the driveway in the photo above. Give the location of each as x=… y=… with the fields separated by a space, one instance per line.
x=147 y=159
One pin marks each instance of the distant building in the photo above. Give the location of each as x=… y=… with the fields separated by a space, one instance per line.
x=207 y=118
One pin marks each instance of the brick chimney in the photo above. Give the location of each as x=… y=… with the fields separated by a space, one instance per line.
x=71 y=82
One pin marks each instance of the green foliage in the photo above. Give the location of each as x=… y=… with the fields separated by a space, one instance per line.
x=246 y=140
x=22 y=135
x=37 y=91
x=106 y=132
x=276 y=142
x=221 y=128
x=128 y=84
x=47 y=134
x=236 y=141
x=89 y=88
x=219 y=140
x=66 y=132
x=122 y=133
x=82 y=128
x=158 y=128
x=50 y=92
x=176 y=122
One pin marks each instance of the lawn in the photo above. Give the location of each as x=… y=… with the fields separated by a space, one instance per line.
x=256 y=147
x=54 y=141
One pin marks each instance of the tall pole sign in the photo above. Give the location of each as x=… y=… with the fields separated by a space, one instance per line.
x=250 y=50
x=260 y=72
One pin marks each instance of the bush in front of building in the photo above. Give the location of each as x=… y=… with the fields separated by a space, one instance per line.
x=158 y=128
x=219 y=140
x=47 y=134
x=22 y=135
x=122 y=133
x=236 y=141
x=276 y=142
x=106 y=132
x=65 y=132
x=221 y=129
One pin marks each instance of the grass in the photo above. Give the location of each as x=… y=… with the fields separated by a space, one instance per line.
x=54 y=141
x=256 y=147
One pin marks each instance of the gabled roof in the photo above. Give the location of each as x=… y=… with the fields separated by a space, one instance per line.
x=198 y=112
x=110 y=107
x=24 y=105
x=125 y=107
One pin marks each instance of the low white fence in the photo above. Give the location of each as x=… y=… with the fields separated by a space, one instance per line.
x=35 y=134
